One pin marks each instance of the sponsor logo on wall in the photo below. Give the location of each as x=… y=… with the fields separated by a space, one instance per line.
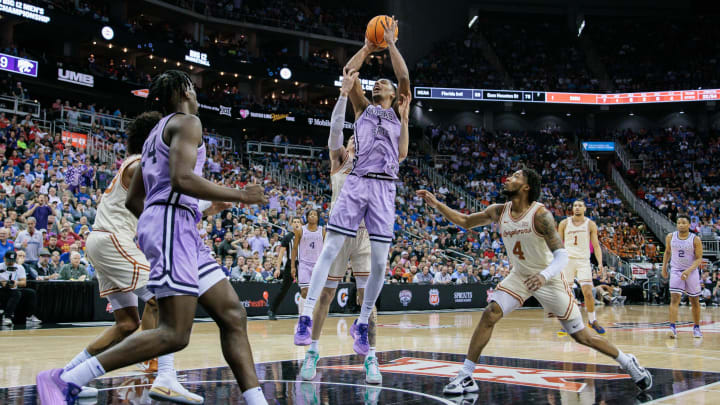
x=462 y=296
x=342 y=297
x=405 y=297
x=434 y=297
x=81 y=79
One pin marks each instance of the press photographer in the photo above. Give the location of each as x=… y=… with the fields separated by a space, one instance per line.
x=14 y=297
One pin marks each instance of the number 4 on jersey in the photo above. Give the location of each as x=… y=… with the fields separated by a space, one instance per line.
x=517 y=251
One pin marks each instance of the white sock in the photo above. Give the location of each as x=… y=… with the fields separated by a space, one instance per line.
x=301 y=305
x=591 y=317
x=82 y=356
x=314 y=346
x=254 y=396
x=371 y=352
x=84 y=372
x=378 y=257
x=622 y=359
x=166 y=364
x=331 y=247
x=468 y=367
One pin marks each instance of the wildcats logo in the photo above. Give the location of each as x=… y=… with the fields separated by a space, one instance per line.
x=531 y=377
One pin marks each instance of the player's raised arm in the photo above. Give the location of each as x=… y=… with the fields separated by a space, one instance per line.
x=398 y=62
x=486 y=217
x=337 y=122
x=187 y=135
x=544 y=223
x=356 y=94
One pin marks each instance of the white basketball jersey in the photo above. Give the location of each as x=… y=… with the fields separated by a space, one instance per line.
x=525 y=247
x=577 y=239
x=112 y=216
x=310 y=245
x=683 y=252
x=337 y=178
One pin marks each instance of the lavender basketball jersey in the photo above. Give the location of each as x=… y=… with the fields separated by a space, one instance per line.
x=377 y=132
x=156 y=170
x=683 y=252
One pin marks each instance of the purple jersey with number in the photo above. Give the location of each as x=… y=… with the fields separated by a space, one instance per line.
x=156 y=170
x=683 y=252
x=377 y=132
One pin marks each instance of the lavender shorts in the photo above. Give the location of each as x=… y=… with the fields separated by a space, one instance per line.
x=690 y=286
x=365 y=198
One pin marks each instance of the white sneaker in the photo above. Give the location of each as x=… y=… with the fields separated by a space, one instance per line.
x=460 y=384
x=641 y=377
x=32 y=319
x=88 y=392
x=372 y=371
x=7 y=322
x=167 y=388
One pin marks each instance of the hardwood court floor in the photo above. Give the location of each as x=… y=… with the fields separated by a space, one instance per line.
x=525 y=334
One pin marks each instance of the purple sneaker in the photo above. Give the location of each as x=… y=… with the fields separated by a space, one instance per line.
x=51 y=389
x=303 y=331
x=696 y=332
x=361 y=345
x=354 y=330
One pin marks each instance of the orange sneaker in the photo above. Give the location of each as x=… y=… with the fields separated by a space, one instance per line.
x=149 y=366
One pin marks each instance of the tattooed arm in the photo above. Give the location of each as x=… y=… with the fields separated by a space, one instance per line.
x=545 y=225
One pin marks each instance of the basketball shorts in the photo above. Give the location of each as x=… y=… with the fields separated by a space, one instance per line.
x=119 y=264
x=365 y=198
x=304 y=273
x=555 y=296
x=690 y=286
x=180 y=264
x=357 y=252
x=580 y=270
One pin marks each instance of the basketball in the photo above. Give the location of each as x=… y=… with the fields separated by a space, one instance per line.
x=375 y=30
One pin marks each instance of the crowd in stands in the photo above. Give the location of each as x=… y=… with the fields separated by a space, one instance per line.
x=679 y=173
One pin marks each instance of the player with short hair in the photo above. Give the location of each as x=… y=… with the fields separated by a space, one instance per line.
x=538 y=258
x=381 y=143
x=306 y=250
x=164 y=194
x=683 y=249
x=356 y=250
x=577 y=233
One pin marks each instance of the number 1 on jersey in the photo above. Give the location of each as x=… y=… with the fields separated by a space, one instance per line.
x=575 y=240
x=517 y=251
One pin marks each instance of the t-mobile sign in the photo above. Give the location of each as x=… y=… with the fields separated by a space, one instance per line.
x=22 y=66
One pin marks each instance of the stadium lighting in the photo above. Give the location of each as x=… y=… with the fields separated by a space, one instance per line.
x=430 y=109
x=285 y=73
x=522 y=112
x=472 y=21
x=477 y=111
x=631 y=114
x=682 y=112
x=568 y=114
x=107 y=33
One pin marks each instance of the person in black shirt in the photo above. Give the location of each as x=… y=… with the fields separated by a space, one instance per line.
x=286 y=247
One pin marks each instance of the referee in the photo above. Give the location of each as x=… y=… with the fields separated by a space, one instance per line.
x=286 y=247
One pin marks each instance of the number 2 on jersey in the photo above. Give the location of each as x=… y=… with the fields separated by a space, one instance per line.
x=517 y=251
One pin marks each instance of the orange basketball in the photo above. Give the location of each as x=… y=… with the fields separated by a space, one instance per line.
x=375 y=30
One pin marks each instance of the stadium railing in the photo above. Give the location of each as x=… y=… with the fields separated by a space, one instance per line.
x=89 y=118
x=626 y=157
x=19 y=107
x=659 y=224
x=711 y=248
x=589 y=162
x=301 y=151
x=438 y=180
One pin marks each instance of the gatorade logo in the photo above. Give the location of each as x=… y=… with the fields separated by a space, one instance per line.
x=342 y=297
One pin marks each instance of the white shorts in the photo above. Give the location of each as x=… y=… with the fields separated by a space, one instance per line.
x=580 y=270
x=555 y=296
x=119 y=264
x=357 y=251
x=121 y=300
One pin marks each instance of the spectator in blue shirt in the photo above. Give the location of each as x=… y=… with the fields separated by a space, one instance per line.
x=5 y=243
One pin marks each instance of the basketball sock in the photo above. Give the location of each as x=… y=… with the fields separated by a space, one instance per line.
x=672 y=324
x=371 y=352
x=84 y=372
x=591 y=317
x=166 y=364
x=82 y=356
x=331 y=247
x=301 y=305
x=314 y=346
x=623 y=359
x=254 y=396
x=468 y=367
x=378 y=256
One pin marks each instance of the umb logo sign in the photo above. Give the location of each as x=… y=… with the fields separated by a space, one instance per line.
x=434 y=297
x=76 y=78
x=531 y=377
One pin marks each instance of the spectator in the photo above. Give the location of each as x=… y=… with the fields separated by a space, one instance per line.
x=16 y=297
x=258 y=242
x=5 y=243
x=225 y=249
x=46 y=270
x=30 y=240
x=442 y=277
x=40 y=211
x=74 y=271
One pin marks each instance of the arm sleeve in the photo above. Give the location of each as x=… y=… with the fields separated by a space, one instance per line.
x=337 y=122
x=559 y=262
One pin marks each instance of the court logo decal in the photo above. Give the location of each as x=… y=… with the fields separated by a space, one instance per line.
x=560 y=380
x=342 y=297
x=710 y=327
x=405 y=297
x=434 y=297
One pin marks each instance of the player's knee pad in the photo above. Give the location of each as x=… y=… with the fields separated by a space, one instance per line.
x=573 y=326
x=361 y=281
x=144 y=294
x=505 y=301
x=122 y=300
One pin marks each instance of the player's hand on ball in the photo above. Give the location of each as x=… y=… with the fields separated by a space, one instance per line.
x=254 y=194
x=535 y=282
x=371 y=46
x=428 y=197
x=389 y=34
x=349 y=78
